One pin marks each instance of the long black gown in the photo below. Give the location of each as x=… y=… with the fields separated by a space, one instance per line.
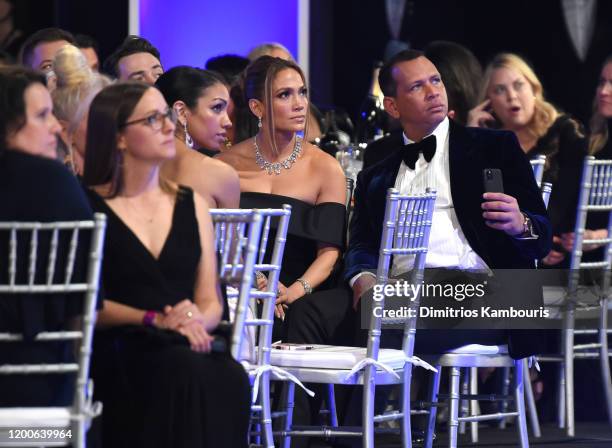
x=156 y=391
x=324 y=316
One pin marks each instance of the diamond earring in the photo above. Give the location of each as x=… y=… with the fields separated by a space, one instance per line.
x=188 y=139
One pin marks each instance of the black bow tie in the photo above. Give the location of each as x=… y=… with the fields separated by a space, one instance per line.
x=411 y=151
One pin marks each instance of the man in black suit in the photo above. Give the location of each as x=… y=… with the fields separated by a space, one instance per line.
x=471 y=230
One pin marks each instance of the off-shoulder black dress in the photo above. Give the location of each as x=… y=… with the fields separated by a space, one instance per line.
x=156 y=391
x=325 y=315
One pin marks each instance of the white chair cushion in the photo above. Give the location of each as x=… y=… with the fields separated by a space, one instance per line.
x=477 y=349
x=34 y=417
x=333 y=357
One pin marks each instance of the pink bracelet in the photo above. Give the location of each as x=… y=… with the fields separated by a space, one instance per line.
x=149 y=318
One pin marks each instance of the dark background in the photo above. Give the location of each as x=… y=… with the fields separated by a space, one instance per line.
x=347 y=36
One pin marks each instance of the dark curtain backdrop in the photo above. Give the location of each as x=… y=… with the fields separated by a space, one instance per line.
x=106 y=20
x=533 y=29
x=347 y=36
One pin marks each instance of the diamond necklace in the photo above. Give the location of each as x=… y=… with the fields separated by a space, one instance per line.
x=276 y=166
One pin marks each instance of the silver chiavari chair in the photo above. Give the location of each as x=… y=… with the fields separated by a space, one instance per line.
x=406 y=230
x=73 y=248
x=537 y=165
x=242 y=241
x=595 y=196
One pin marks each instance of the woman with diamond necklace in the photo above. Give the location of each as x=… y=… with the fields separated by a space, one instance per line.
x=278 y=167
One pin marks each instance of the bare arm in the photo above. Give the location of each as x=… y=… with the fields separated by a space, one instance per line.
x=225 y=185
x=333 y=189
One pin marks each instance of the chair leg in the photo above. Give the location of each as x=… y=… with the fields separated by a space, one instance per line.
x=531 y=406
x=603 y=356
x=503 y=406
x=331 y=406
x=266 y=411
x=289 y=403
x=433 y=398
x=453 y=413
x=79 y=434
x=367 y=412
x=569 y=380
x=474 y=409
x=464 y=408
x=406 y=427
x=519 y=399
x=561 y=396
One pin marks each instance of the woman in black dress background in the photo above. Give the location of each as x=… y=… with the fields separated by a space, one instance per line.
x=153 y=368
x=34 y=187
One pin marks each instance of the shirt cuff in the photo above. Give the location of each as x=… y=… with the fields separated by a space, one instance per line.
x=355 y=277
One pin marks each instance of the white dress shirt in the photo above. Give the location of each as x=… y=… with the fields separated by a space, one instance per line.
x=448 y=247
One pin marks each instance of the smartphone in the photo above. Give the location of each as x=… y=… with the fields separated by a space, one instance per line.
x=290 y=346
x=492 y=180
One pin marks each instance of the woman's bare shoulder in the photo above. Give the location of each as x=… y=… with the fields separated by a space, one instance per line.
x=323 y=162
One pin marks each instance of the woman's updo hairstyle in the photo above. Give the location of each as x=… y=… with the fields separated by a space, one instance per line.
x=77 y=84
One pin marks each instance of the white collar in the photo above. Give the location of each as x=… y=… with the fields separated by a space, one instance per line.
x=440 y=132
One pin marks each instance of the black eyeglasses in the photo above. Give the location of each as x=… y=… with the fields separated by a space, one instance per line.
x=156 y=120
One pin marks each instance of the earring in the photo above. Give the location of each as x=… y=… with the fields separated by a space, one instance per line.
x=188 y=139
x=259 y=122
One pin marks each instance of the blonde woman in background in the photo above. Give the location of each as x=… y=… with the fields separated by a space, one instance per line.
x=77 y=85
x=514 y=100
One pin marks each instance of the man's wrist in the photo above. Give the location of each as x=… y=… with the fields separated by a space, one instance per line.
x=527 y=232
x=356 y=277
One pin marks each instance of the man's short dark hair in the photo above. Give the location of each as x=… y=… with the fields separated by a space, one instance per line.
x=85 y=41
x=42 y=36
x=131 y=45
x=385 y=78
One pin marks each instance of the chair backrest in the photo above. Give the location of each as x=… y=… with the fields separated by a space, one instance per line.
x=348 y=202
x=595 y=195
x=406 y=229
x=250 y=253
x=65 y=247
x=237 y=236
x=546 y=190
x=537 y=165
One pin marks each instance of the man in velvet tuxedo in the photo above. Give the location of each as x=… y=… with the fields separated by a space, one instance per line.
x=471 y=230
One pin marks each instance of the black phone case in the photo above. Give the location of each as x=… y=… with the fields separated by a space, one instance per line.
x=492 y=180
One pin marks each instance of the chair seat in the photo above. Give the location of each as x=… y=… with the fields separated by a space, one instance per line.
x=473 y=355
x=332 y=364
x=34 y=418
x=481 y=350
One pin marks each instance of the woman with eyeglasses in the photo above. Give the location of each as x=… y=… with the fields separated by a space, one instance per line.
x=153 y=367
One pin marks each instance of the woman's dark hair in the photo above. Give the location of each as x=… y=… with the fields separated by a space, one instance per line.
x=108 y=113
x=186 y=84
x=461 y=74
x=14 y=81
x=258 y=79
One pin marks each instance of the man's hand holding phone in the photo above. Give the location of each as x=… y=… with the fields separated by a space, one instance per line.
x=501 y=211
